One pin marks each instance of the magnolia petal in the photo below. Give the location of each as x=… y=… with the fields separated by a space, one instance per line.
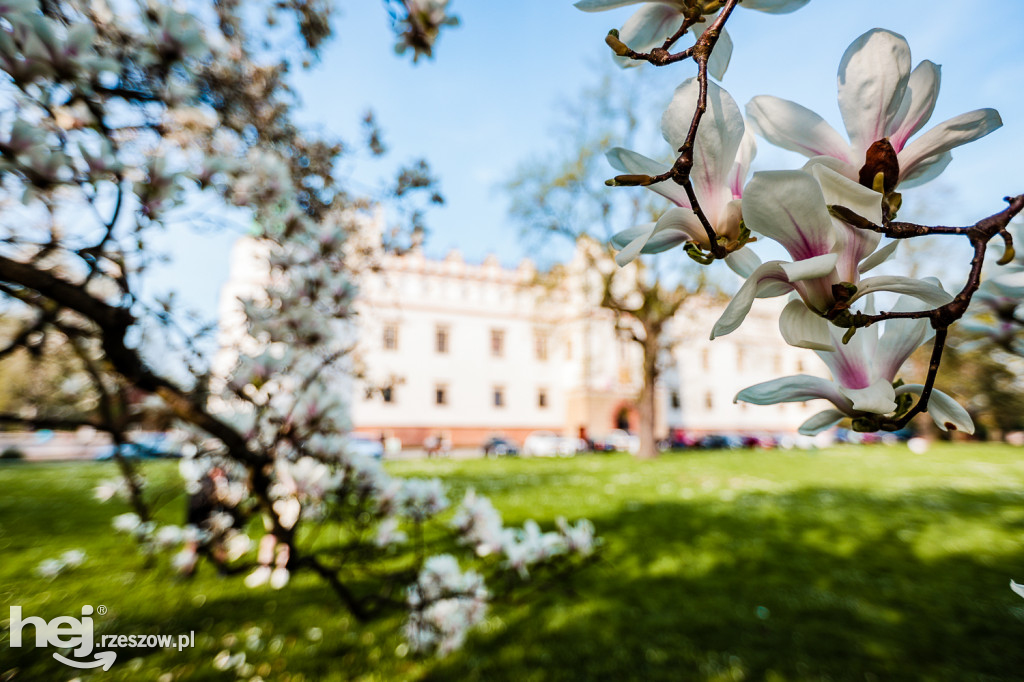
x=945 y=136
x=774 y=6
x=631 y=241
x=821 y=421
x=873 y=76
x=718 y=139
x=769 y=280
x=810 y=268
x=743 y=262
x=878 y=398
x=767 y=275
x=794 y=389
x=947 y=413
x=901 y=338
x=1019 y=589
x=929 y=293
x=632 y=163
x=744 y=157
x=602 y=5
x=796 y=128
x=878 y=257
x=718 y=62
x=788 y=206
x=852 y=244
x=804 y=328
x=675 y=226
x=837 y=189
x=926 y=171
x=918 y=103
x=648 y=28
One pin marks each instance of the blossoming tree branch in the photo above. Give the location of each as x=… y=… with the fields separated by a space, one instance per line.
x=829 y=216
x=117 y=125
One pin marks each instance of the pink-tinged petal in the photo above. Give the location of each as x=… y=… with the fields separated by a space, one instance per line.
x=631 y=241
x=768 y=280
x=648 y=28
x=744 y=157
x=878 y=398
x=947 y=413
x=852 y=244
x=873 y=76
x=820 y=422
x=946 y=136
x=632 y=163
x=918 y=104
x=790 y=126
x=743 y=262
x=931 y=294
x=794 y=389
x=718 y=139
x=804 y=328
x=878 y=257
x=788 y=206
x=774 y=6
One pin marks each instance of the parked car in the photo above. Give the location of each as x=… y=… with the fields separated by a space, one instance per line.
x=548 y=444
x=497 y=446
x=143 y=446
x=361 y=444
x=618 y=440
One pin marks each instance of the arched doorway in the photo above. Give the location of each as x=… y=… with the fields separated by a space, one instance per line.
x=625 y=417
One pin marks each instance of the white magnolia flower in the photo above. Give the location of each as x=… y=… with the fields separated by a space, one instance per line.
x=658 y=20
x=444 y=604
x=863 y=371
x=126 y=523
x=478 y=524
x=1017 y=587
x=49 y=568
x=721 y=160
x=880 y=98
x=791 y=208
x=73 y=558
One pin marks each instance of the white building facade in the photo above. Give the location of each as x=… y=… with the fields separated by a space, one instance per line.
x=465 y=351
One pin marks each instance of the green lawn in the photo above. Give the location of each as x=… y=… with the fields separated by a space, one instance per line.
x=842 y=564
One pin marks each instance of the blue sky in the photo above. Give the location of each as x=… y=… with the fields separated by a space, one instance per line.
x=490 y=100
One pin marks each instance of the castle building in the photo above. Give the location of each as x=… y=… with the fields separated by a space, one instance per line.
x=465 y=351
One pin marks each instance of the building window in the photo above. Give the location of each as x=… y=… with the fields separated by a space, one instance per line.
x=499 y=396
x=440 y=394
x=497 y=342
x=709 y=400
x=390 y=337
x=441 y=343
x=800 y=366
x=542 y=398
x=674 y=400
x=542 y=346
x=388 y=394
